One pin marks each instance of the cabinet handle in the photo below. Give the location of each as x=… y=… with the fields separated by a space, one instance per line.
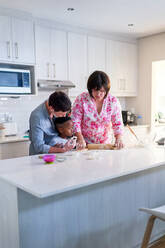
x=48 y=74
x=54 y=70
x=16 y=50
x=8 y=48
x=119 y=84
x=124 y=84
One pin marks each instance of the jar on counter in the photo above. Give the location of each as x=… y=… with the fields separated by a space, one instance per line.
x=2 y=130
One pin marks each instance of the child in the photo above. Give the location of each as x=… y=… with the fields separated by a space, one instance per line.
x=64 y=126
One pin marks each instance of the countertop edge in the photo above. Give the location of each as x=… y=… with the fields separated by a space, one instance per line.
x=72 y=188
x=13 y=139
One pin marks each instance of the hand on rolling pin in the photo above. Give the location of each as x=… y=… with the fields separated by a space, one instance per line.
x=118 y=142
x=81 y=144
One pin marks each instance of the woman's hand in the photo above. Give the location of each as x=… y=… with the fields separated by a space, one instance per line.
x=81 y=144
x=118 y=142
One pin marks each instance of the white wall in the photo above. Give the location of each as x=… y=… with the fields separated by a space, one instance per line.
x=21 y=108
x=149 y=49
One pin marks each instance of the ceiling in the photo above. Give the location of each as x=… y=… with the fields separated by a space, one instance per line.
x=109 y=16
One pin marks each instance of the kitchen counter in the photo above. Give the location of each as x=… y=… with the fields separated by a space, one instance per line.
x=32 y=175
x=82 y=202
x=11 y=139
x=139 y=126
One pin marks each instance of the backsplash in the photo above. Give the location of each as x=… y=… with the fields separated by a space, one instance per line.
x=21 y=108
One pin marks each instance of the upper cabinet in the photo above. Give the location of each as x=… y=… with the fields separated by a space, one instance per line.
x=23 y=40
x=96 y=54
x=5 y=38
x=42 y=40
x=77 y=62
x=51 y=53
x=121 y=62
x=61 y=56
x=16 y=40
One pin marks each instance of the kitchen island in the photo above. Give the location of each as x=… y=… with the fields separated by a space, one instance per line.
x=81 y=202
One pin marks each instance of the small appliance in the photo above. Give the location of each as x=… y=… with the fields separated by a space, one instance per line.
x=10 y=128
x=128 y=118
x=14 y=81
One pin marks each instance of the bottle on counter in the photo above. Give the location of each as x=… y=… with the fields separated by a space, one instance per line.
x=139 y=120
x=135 y=120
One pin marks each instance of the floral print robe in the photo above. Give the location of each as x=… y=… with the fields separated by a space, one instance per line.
x=95 y=127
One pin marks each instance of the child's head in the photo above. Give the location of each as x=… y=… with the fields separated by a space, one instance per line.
x=64 y=126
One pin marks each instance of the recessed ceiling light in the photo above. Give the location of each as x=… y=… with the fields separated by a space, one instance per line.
x=70 y=9
x=130 y=24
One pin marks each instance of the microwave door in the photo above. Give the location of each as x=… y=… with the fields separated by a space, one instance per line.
x=14 y=81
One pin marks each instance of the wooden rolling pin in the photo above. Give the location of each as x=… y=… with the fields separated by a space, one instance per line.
x=101 y=147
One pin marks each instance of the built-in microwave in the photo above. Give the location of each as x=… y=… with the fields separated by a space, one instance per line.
x=15 y=81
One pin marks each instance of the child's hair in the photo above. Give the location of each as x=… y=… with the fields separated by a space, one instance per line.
x=61 y=121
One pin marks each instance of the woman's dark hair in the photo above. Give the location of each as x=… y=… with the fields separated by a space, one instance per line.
x=59 y=101
x=97 y=80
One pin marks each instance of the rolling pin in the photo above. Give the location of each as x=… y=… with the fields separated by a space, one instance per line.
x=101 y=147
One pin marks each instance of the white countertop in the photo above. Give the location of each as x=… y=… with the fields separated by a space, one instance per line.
x=32 y=175
x=11 y=139
x=138 y=126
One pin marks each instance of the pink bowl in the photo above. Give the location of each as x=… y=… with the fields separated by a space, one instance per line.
x=49 y=158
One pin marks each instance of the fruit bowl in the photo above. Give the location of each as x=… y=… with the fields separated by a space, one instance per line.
x=49 y=159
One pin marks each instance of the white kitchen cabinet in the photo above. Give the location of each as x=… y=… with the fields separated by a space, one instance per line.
x=23 y=41
x=58 y=48
x=14 y=149
x=121 y=66
x=96 y=54
x=51 y=53
x=5 y=38
x=77 y=62
x=16 y=40
x=131 y=68
x=42 y=39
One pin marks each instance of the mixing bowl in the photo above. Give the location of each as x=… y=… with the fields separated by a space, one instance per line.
x=49 y=158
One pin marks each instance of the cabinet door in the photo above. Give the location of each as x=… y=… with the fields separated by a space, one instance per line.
x=58 y=55
x=131 y=69
x=14 y=150
x=23 y=41
x=77 y=61
x=5 y=38
x=42 y=41
x=96 y=54
x=122 y=68
x=113 y=65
